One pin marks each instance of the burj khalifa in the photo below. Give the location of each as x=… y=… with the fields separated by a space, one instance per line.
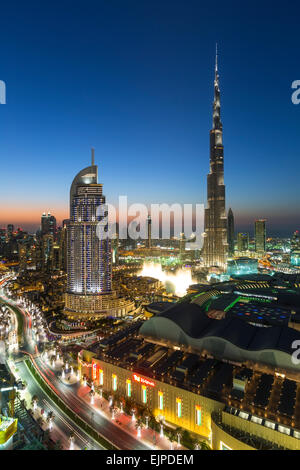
x=215 y=247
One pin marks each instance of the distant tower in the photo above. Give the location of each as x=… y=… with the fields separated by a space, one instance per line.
x=260 y=236
x=215 y=247
x=295 y=241
x=115 y=246
x=10 y=230
x=295 y=249
x=149 y=231
x=47 y=251
x=230 y=232
x=62 y=242
x=243 y=242
x=22 y=252
x=182 y=242
x=48 y=225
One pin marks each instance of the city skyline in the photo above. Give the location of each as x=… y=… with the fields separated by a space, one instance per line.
x=150 y=229
x=147 y=122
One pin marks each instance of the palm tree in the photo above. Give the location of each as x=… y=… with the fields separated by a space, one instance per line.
x=178 y=432
x=113 y=410
x=204 y=445
x=172 y=437
x=40 y=421
x=133 y=412
x=138 y=426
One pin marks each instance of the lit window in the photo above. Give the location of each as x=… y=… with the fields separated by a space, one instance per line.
x=144 y=393
x=178 y=407
x=160 y=400
x=198 y=415
x=100 y=377
x=114 y=382
x=128 y=385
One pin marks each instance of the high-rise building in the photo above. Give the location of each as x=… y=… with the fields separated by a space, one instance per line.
x=215 y=247
x=62 y=241
x=230 y=232
x=47 y=243
x=295 y=241
x=48 y=225
x=10 y=230
x=260 y=236
x=182 y=242
x=149 y=231
x=243 y=241
x=22 y=251
x=295 y=249
x=115 y=246
x=89 y=256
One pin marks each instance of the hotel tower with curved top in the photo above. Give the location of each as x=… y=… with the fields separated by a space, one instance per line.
x=89 y=258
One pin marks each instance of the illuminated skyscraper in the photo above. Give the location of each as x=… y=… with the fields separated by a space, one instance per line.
x=149 y=231
x=260 y=236
x=230 y=232
x=88 y=258
x=215 y=247
x=243 y=242
x=48 y=225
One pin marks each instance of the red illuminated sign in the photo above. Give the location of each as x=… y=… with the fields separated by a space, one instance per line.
x=138 y=378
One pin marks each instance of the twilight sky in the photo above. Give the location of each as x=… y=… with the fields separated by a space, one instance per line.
x=134 y=79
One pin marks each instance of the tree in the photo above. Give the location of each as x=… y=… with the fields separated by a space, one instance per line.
x=204 y=445
x=139 y=425
x=34 y=445
x=179 y=432
x=58 y=445
x=40 y=421
x=172 y=437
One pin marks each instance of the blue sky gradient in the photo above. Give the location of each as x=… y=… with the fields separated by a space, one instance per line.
x=134 y=79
